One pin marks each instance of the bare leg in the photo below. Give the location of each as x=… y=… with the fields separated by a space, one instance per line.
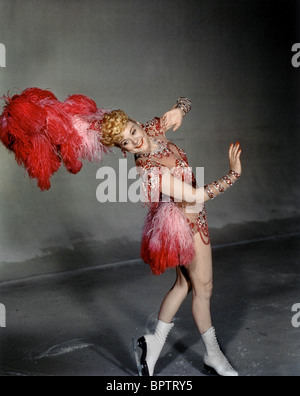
x=199 y=278
x=175 y=297
x=201 y=275
x=152 y=344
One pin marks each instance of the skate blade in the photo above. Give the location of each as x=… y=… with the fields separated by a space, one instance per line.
x=137 y=357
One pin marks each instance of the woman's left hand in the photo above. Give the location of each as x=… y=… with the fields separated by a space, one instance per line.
x=172 y=119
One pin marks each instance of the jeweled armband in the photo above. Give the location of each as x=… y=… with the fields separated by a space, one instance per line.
x=234 y=174
x=221 y=185
x=228 y=180
x=209 y=192
x=184 y=104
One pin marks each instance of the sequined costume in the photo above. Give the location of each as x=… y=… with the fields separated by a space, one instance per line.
x=150 y=167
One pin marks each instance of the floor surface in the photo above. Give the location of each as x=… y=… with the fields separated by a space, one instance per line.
x=81 y=322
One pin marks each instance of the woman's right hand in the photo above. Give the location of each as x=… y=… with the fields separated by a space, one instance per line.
x=234 y=157
x=172 y=118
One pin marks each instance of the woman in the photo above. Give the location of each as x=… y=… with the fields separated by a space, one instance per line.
x=164 y=170
x=44 y=132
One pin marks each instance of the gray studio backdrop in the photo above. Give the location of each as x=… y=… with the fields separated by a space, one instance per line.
x=231 y=57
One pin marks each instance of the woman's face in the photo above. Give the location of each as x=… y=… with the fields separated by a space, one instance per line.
x=135 y=140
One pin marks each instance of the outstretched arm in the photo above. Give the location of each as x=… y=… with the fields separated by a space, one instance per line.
x=173 y=187
x=220 y=186
x=174 y=117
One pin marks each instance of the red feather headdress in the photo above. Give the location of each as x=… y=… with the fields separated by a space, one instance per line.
x=44 y=132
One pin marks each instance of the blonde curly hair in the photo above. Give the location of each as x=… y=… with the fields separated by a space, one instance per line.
x=113 y=126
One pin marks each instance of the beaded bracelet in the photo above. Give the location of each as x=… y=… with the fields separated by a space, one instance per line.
x=219 y=186
x=184 y=104
x=228 y=180
x=209 y=192
x=234 y=173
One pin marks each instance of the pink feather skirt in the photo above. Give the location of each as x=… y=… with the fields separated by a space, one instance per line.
x=167 y=240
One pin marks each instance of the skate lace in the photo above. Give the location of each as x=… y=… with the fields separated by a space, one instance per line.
x=218 y=351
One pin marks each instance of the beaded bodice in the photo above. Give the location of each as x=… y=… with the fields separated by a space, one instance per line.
x=166 y=155
x=150 y=167
x=169 y=155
